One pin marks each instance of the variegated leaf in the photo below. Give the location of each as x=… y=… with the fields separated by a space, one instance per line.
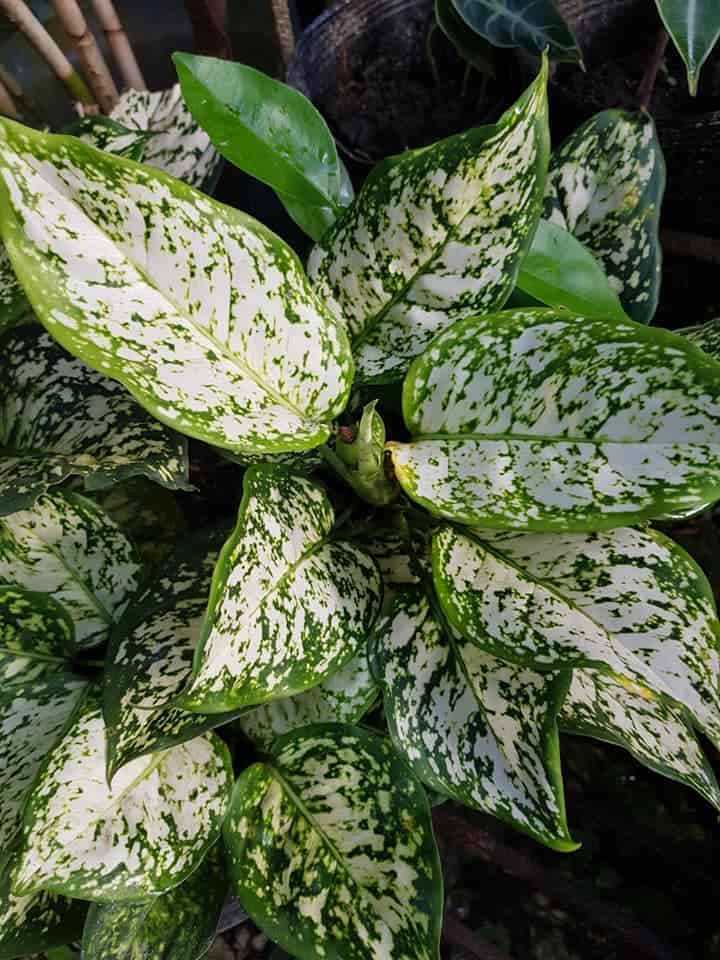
x=67 y=547
x=628 y=602
x=111 y=136
x=176 y=143
x=37 y=636
x=14 y=304
x=435 y=235
x=32 y=718
x=60 y=418
x=656 y=733
x=149 y=659
x=344 y=697
x=605 y=185
x=331 y=849
x=473 y=728
x=705 y=335
x=289 y=605
x=536 y=420
x=180 y=925
x=132 y=840
x=201 y=312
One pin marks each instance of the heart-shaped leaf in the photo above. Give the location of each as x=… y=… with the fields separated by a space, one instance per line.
x=150 y=655
x=694 y=26
x=628 y=602
x=345 y=697
x=331 y=849
x=605 y=185
x=201 y=312
x=67 y=547
x=435 y=235
x=37 y=636
x=655 y=732
x=180 y=925
x=534 y=25
x=60 y=418
x=473 y=728
x=289 y=605
x=536 y=420
x=133 y=840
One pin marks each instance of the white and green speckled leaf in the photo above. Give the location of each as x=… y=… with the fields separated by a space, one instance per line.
x=345 y=697
x=605 y=185
x=150 y=656
x=474 y=728
x=655 y=732
x=59 y=418
x=69 y=548
x=180 y=925
x=435 y=235
x=111 y=136
x=531 y=419
x=37 y=636
x=32 y=718
x=138 y=838
x=705 y=335
x=203 y=314
x=628 y=602
x=331 y=849
x=289 y=605
x=14 y=304
x=177 y=144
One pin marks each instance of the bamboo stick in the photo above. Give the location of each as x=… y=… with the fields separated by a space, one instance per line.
x=20 y=15
x=284 y=28
x=7 y=104
x=98 y=74
x=119 y=44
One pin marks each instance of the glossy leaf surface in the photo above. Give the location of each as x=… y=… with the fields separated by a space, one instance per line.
x=534 y=25
x=694 y=26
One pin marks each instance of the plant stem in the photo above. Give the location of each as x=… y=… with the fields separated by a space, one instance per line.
x=7 y=104
x=647 y=84
x=20 y=15
x=691 y=245
x=119 y=44
x=209 y=23
x=284 y=28
x=99 y=76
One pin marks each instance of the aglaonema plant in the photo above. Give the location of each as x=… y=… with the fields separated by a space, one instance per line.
x=445 y=511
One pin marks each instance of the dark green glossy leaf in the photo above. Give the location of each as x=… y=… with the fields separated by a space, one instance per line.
x=468 y=43
x=694 y=26
x=534 y=25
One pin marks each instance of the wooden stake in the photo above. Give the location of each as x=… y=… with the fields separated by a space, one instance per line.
x=7 y=104
x=119 y=44
x=20 y=15
x=284 y=28
x=99 y=76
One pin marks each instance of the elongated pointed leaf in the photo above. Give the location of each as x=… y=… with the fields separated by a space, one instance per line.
x=60 y=418
x=345 y=697
x=32 y=718
x=628 y=602
x=201 y=312
x=472 y=727
x=37 y=636
x=180 y=925
x=534 y=25
x=705 y=335
x=694 y=26
x=605 y=185
x=534 y=420
x=176 y=143
x=67 y=547
x=289 y=606
x=656 y=733
x=435 y=235
x=107 y=134
x=331 y=848
x=150 y=656
x=133 y=840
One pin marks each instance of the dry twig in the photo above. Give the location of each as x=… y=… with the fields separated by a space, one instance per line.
x=119 y=44
x=73 y=20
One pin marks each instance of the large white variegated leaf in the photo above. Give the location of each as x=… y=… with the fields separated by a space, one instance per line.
x=531 y=419
x=180 y=925
x=473 y=728
x=37 y=636
x=176 y=144
x=32 y=718
x=133 y=840
x=59 y=418
x=628 y=602
x=150 y=655
x=345 y=697
x=67 y=547
x=331 y=849
x=435 y=235
x=655 y=732
x=289 y=605
x=201 y=312
x=605 y=186
x=111 y=136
